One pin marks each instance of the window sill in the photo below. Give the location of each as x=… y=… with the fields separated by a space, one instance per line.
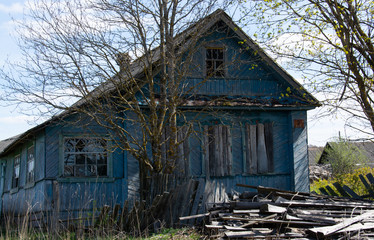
x=265 y=174
x=14 y=190
x=29 y=185
x=86 y=179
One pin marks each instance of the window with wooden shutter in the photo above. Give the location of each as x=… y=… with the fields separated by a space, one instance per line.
x=182 y=163
x=16 y=170
x=218 y=150
x=30 y=165
x=259 y=148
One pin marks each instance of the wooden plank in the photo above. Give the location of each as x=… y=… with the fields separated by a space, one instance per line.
x=124 y=213
x=329 y=230
x=253 y=143
x=206 y=151
x=370 y=177
x=247 y=145
x=189 y=197
x=229 y=152
x=323 y=191
x=223 y=149
x=217 y=154
x=104 y=215
x=180 y=169
x=271 y=208
x=115 y=213
x=231 y=228
x=358 y=227
x=198 y=197
x=351 y=192
x=269 y=145
x=186 y=151
x=322 y=219
x=252 y=222
x=367 y=185
x=261 y=150
x=331 y=191
x=194 y=216
x=340 y=189
x=325 y=204
x=214 y=226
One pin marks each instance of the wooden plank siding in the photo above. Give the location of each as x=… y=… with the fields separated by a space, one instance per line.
x=252 y=143
x=232 y=166
x=299 y=150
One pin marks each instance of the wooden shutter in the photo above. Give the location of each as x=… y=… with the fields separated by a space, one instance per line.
x=218 y=150
x=262 y=164
x=259 y=148
x=183 y=164
x=269 y=145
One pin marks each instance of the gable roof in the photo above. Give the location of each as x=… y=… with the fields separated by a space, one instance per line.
x=366 y=147
x=137 y=69
x=314 y=153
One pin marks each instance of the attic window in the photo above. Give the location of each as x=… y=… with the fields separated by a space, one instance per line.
x=85 y=157
x=215 y=64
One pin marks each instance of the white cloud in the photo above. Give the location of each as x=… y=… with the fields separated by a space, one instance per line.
x=14 y=8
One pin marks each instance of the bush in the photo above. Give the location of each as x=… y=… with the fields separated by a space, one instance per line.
x=352 y=180
x=344 y=157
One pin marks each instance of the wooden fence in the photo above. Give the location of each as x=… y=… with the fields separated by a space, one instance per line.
x=346 y=191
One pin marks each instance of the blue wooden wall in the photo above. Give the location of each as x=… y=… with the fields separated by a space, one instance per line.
x=247 y=76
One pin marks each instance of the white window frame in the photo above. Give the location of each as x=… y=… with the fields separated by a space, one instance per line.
x=30 y=164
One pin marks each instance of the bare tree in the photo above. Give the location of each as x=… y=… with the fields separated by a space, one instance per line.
x=119 y=61
x=331 y=43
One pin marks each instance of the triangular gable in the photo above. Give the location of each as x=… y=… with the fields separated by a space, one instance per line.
x=220 y=15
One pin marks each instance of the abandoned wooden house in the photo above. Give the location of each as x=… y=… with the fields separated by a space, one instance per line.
x=257 y=136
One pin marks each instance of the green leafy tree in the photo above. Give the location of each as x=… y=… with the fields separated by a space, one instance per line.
x=330 y=42
x=344 y=157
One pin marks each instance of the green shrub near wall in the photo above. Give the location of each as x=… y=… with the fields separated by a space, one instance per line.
x=352 y=180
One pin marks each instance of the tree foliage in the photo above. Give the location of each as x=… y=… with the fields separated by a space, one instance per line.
x=344 y=157
x=330 y=42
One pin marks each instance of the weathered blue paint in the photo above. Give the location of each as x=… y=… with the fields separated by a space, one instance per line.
x=300 y=156
x=247 y=76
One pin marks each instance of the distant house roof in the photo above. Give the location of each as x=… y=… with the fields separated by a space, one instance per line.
x=314 y=153
x=366 y=147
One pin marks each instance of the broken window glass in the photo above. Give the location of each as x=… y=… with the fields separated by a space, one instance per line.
x=16 y=168
x=30 y=165
x=215 y=66
x=85 y=157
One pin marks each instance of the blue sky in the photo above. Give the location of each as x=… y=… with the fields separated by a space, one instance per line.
x=13 y=122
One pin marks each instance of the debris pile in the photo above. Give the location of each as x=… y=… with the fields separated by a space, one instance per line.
x=319 y=172
x=274 y=214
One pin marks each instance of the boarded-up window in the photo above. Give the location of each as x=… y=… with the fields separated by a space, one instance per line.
x=259 y=148
x=218 y=150
x=183 y=150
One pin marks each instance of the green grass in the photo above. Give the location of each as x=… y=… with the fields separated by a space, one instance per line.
x=165 y=234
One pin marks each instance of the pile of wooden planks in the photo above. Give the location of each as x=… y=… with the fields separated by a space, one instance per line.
x=274 y=214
